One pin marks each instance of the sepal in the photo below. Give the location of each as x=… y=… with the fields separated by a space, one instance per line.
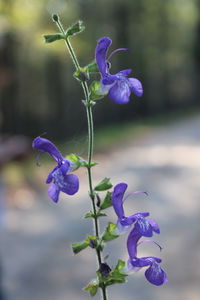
x=82 y=74
x=78 y=247
x=50 y=38
x=104 y=185
x=92 y=241
x=92 y=287
x=106 y=202
x=76 y=28
x=78 y=161
x=96 y=92
x=117 y=275
x=92 y=67
x=110 y=234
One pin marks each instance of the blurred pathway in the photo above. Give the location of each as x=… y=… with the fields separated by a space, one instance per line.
x=35 y=244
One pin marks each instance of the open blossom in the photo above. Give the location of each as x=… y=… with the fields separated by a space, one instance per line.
x=145 y=226
x=154 y=274
x=118 y=86
x=59 y=179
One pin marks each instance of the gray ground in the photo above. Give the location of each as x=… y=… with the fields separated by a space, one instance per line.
x=35 y=243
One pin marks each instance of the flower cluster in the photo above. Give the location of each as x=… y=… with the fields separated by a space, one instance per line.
x=142 y=227
x=59 y=179
x=118 y=87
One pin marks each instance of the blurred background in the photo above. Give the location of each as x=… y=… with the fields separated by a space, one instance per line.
x=153 y=143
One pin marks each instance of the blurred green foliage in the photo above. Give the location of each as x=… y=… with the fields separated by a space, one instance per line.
x=37 y=91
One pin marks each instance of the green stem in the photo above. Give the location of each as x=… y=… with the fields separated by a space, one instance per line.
x=88 y=105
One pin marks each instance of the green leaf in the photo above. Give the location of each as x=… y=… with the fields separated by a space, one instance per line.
x=107 y=201
x=91 y=215
x=109 y=233
x=92 y=287
x=76 y=28
x=95 y=91
x=104 y=185
x=50 y=38
x=77 y=247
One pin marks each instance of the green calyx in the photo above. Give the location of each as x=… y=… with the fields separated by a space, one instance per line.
x=110 y=233
x=104 y=185
x=76 y=28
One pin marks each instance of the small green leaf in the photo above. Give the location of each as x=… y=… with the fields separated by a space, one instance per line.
x=96 y=91
x=89 y=215
x=104 y=185
x=76 y=28
x=107 y=201
x=109 y=233
x=92 y=287
x=50 y=38
x=77 y=247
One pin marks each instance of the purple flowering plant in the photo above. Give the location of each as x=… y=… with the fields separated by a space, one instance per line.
x=118 y=88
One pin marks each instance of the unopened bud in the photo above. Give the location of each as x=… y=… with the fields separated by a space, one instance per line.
x=55 y=17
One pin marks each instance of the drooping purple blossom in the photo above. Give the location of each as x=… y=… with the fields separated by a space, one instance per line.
x=118 y=86
x=145 y=226
x=59 y=179
x=154 y=274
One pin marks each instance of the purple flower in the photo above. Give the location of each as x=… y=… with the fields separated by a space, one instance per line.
x=143 y=225
x=59 y=178
x=118 y=86
x=154 y=274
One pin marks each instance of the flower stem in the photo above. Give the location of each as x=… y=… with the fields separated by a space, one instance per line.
x=88 y=105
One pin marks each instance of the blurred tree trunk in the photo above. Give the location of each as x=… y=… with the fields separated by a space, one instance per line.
x=197 y=54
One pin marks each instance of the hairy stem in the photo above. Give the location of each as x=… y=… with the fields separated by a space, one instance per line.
x=88 y=105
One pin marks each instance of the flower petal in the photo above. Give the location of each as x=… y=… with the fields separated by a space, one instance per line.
x=143 y=227
x=155 y=274
x=144 y=261
x=117 y=199
x=132 y=241
x=121 y=228
x=125 y=72
x=109 y=80
x=120 y=92
x=64 y=168
x=100 y=54
x=47 y=146
x=71 y=184
x=154 y=225
x=53 y=192
x=136 y=86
